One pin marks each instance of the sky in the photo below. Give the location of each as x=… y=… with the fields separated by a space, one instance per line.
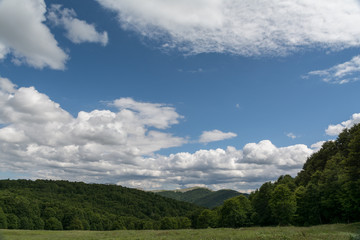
x=157 y=94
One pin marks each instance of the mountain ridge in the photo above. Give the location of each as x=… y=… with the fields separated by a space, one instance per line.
x=200 y=196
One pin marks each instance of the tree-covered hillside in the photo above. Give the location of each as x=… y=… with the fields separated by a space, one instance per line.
x=45 y=204
x=327 y=190
x=201 y=196
x=185 y=195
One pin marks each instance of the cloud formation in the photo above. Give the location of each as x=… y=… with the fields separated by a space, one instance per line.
x=341 y=73
x=249 y=28
x=215 y=135
x=77 y=31
x=37 y=135
x=291 y=135
x=334 y=130
x=39 y=139
x=25 y=37
x=241 y=169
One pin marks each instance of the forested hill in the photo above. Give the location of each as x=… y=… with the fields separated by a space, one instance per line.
x=201 y=196
x=46 y=204
x=327 y=190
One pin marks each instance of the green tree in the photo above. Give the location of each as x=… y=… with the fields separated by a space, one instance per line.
x=13 y=221
x=207 y=218
x=313 y=204
x=38 y=223
x=301 y=206
x=148 y=225
x=168 y=223
x=53 y=224
x=26 y=223
x=118 y=225
x=48 y=213
x=75 y=224
x=184 y=223
x=236 y=212
x=350 y=178
x=260 y=203
x=288 y=181
x=283 y=204
x=3 y=221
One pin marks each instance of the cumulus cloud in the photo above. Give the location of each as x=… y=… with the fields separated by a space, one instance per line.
x=25 y=37
x=242 y=169
x=78 y=31
x=215 y=135
x=341 y=73
x=249 y=28
x=39 y=139
x=151 y=114
x=334 y=130
x=38 y=135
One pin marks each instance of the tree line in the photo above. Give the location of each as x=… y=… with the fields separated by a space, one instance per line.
x=327 y=190
x=63 y=205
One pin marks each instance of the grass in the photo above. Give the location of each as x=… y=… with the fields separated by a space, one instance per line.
x=329 y=232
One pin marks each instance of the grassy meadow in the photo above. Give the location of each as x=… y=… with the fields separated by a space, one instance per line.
x=329 y=232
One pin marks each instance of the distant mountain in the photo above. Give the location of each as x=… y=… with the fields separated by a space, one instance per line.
x=200 y=196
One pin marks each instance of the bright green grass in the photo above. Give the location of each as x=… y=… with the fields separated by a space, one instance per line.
x=329 y=232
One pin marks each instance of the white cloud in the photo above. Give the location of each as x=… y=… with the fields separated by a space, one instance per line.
x=39 y=139
x=78 y=31
x=250 y=28
x=215 y=135
x=241 y=169
x=317 y=146
x=334 y=130
x=38 y=136
x=25 y=37
x=151 y=114
x=341 y=73
x=291 y=135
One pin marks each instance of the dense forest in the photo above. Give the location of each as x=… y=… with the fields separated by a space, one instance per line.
x=327 y=190
x=56 y=205
x=201 y=196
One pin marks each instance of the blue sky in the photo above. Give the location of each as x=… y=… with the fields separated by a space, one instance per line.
x=161 y=95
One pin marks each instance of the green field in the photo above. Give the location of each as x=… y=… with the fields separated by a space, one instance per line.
x=334 y=231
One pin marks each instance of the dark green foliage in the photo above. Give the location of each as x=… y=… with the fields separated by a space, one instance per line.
x=260 y=203
x=26 y=223
x=327 y=190
x=217 y=198
x=184 y=223
x=175 y=223
x=13 y=222
x=54 y=205
x=201 y=196
x=208 y=218
x=168 y=223
x=236 y=212
x=3 y=221
x=283 y=204
x=316 y=162
x=186 y=195
x=53 y=224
